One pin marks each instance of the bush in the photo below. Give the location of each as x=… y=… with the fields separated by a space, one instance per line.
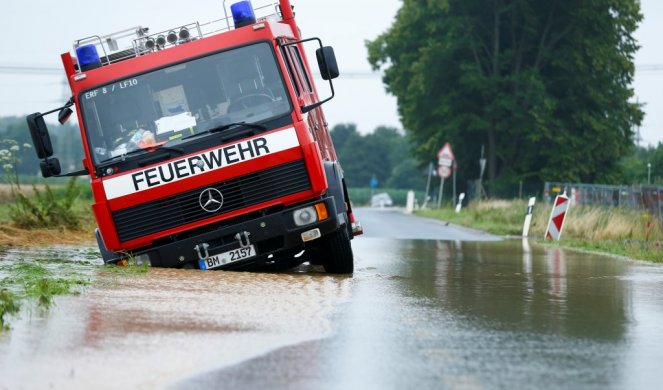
x=47 y=208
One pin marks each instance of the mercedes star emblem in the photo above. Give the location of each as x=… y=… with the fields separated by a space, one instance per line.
x=211 y=200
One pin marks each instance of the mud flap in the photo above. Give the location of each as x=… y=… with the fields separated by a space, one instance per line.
x=106 y=255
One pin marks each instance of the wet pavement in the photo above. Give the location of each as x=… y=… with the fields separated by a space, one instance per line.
x=417 y=313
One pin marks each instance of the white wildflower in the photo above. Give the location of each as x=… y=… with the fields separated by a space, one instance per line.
x=27 y=145
x=15 y=148
x=4 y=152
x=7 y=167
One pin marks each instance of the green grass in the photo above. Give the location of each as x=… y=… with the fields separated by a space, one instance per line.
x=649 y=251
x=5 y=213
x=80 y=206
x=131 y=267
x=30 y=280
x=493 y=221
x=9 y=305
x=609 y=230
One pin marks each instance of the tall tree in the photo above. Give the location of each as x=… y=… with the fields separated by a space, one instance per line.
x=544 y=85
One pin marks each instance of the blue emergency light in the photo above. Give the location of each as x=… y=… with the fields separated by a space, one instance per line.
x=243 y=14
x=88 y=58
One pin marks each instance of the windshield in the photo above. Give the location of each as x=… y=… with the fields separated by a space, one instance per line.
x=170 y=104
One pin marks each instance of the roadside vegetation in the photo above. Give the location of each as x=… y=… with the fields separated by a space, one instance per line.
x=128 y=266
x=611 y=230
x=43 y=213
x=8 y=305
x=24 y=229
x=27 y=282
x=31 y=280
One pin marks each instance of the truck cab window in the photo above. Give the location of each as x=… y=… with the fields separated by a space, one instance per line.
x=166 y=105
x=301 y=68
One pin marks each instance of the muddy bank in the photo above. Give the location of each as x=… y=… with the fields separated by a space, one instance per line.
x=11 y=236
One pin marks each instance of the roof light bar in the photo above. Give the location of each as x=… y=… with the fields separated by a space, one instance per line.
x=243 y=14
x=88 y=58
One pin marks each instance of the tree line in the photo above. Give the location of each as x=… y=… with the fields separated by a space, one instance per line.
x=643 y=165
x=384 y=155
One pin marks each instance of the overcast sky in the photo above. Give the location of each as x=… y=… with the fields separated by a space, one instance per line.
x=37 y=32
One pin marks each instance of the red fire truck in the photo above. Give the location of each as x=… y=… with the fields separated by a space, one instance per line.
x=206 y=144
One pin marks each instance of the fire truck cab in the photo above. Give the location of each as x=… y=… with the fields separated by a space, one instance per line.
x=206 y=144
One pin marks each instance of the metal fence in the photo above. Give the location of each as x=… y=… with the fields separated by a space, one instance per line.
x=638 y=197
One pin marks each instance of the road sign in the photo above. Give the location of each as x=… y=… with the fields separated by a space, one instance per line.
x=445 y=155
x=445 y=160
x=444 y=171
x=556 y=222
x=445 y=151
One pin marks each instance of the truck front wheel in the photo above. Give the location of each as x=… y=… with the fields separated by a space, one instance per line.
x=336 y=252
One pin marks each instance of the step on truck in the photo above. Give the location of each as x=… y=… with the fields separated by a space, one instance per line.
x=206 y=144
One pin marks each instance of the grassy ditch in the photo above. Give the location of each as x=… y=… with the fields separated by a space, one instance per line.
x=611 y=230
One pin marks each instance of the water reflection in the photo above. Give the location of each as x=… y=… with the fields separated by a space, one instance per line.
x=447 y=314
x=489 y=314
x=510 y=285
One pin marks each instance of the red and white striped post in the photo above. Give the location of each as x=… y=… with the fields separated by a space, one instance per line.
x=557 y=217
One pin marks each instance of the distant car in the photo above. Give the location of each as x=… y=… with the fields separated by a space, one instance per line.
x=381 y=200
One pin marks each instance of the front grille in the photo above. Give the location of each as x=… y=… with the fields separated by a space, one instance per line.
x=181 y=209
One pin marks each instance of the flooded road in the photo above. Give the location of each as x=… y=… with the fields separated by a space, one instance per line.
x=418 y=313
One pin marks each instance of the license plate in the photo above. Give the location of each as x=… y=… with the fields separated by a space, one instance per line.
x=227 y=257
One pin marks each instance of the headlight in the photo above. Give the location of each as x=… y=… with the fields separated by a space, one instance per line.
x=305 y=216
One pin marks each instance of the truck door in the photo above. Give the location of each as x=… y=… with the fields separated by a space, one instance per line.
x=305 y=90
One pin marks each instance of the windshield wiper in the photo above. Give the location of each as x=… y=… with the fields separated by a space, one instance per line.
x=226 y=127
x=149 y=149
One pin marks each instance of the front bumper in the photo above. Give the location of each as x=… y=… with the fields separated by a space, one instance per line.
x=270 y=234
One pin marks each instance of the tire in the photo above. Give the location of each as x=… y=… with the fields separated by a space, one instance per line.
x=337 y=256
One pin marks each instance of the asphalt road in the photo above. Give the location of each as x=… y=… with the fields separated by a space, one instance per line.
x=393 y=223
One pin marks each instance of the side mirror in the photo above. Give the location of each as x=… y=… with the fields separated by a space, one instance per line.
x=50 y=167
x=39 y=133
x=64 y=114
x=327 y=62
